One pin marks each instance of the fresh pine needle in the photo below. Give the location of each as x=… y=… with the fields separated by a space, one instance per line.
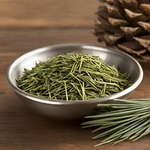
x=123 y=119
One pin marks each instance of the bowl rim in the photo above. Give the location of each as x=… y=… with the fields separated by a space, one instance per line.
x=69 y=102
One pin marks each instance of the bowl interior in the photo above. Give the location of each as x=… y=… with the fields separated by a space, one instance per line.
x=112 y=57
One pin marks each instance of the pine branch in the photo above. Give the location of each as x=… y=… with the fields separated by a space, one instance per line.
x=123 y=119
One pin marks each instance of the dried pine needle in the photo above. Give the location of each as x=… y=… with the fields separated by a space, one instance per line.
x=121 y=120
x=73 y=77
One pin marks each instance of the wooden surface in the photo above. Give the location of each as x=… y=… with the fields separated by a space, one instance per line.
x=29 y=24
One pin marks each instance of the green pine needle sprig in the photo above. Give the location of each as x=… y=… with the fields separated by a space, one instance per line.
x=121 y=119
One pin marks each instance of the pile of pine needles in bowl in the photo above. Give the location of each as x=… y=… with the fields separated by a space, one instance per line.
x=120 y=120
x=73 y=76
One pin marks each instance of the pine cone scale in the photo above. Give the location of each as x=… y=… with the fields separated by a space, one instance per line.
x=144 y=43
x=145 y=8
x=131 y=51
x=145 y=26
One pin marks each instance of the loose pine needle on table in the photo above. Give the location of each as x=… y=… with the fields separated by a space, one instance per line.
x=121 y=120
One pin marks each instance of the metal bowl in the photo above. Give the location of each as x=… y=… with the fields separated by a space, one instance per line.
x=59 y=109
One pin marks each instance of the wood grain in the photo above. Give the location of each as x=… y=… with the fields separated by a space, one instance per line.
x=29 y=24
x=47 y=12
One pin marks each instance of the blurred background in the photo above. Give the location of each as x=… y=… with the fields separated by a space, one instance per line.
x=37 y=23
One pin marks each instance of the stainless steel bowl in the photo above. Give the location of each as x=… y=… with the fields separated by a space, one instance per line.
x=59 y=109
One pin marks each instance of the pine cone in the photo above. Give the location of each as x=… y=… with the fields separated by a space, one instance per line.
x=125 y=25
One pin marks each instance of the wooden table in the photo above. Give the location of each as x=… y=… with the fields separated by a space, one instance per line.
x=29 y=24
